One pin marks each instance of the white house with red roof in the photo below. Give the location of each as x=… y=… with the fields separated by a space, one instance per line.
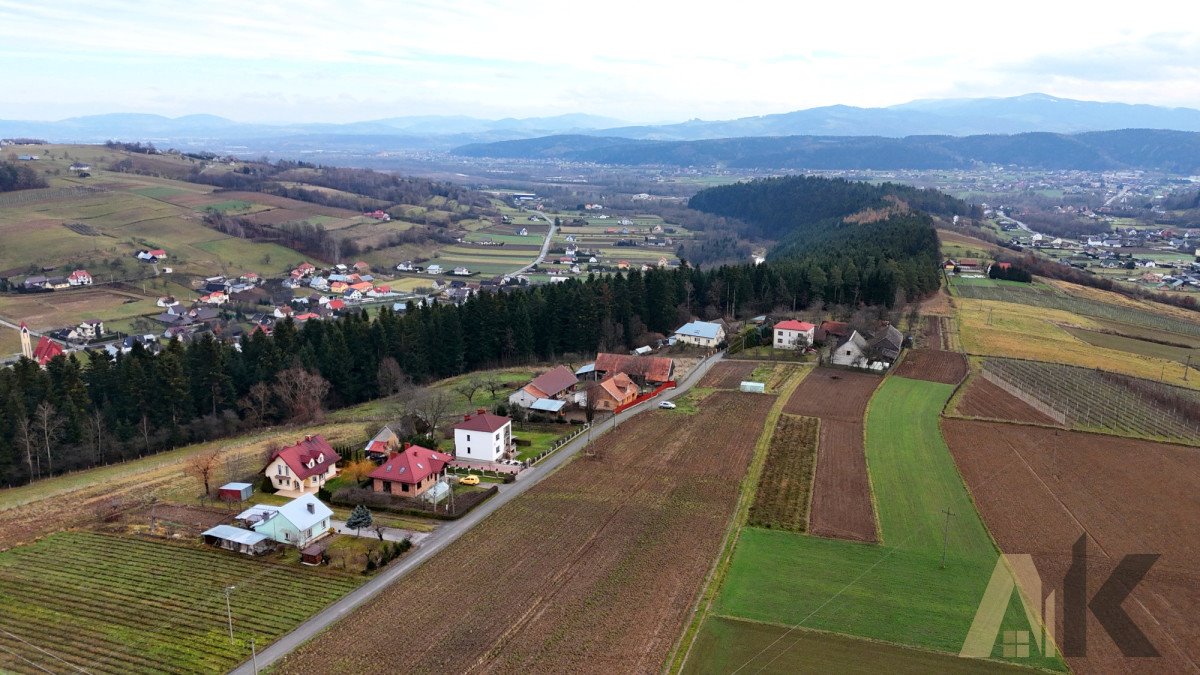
x=410 y=472
x=80 y=278
x=794 y=334
x=302 y=468
x=216 y=298
x=482 y=436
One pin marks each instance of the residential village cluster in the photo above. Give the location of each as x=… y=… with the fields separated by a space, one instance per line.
x=486 y=441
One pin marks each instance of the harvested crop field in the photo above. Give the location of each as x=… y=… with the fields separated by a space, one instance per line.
x=841 y=499
x=781 y=501
x=984 y=399
x=933 y=365
x=595 y=569
x=1039 y=490
x=728 y=374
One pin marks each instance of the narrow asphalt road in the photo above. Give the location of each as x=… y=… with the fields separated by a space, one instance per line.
x=452 y=530
x=545 y=246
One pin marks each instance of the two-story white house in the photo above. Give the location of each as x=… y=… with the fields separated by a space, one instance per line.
x=483 y=437
x=702 y=333
x=794 y=334
x=303 y=467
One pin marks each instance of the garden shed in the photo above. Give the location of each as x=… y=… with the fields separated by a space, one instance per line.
x=235 y=492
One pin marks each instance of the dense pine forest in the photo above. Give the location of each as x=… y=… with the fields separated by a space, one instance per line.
x=82 y=412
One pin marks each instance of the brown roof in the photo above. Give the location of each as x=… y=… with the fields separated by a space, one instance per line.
x=411 y=465
x=836 y=328
x=656 y=368
x=482 y=421
x=313 y=449
x=554 y=381
x=620 y=387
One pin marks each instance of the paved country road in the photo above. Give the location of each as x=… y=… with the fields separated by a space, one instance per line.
x=452 y=530
x=545 y=246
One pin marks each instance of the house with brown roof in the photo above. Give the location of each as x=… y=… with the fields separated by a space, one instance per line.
x=831 y=331
x=651 y=369
x=303 y=467
x=410 y=472
x=383 y=444
x=557 y=383
x=482 y=436
x=615 y=391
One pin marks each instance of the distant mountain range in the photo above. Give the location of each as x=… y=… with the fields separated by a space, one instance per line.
x=419 y=132
x=949 y=117
x=1169 y=151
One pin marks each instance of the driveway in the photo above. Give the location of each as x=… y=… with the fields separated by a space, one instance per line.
x=389 y=533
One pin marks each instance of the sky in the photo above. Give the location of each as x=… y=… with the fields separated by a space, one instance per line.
x=642 y=62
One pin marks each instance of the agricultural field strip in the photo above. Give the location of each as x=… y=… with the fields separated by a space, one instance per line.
x=1093 y=403
x=911 y=477
x=1083 y=306
x=141 y=564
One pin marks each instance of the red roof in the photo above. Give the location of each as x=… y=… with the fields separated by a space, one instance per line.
x=482 y=421
x=313 y=450
x=553 y=382
x=411 y=465
x=80 y=274
x=157 y=253
x=46 y=350
x=336 y=304
x=794 y=325
x=656 y=368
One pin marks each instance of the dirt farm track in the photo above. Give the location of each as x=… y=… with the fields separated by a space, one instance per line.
x=841 y=498
x=1040 y=489
x=593 y=570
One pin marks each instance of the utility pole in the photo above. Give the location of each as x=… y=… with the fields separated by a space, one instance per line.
x=253 y=655
x=945 y=535
x=1187 y=367
x=229 y=612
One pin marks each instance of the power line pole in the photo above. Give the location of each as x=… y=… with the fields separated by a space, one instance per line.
x=945 y=535
x=253 y=655
x=229 y=612
x=1187 y=367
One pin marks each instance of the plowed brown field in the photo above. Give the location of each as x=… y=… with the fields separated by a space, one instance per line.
x=593 y=570
x=984 y=399
x=728 y=374
x=1040 y=489
x=933 y=365
x=841 y=500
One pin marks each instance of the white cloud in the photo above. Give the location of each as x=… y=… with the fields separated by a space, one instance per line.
x=640 y=60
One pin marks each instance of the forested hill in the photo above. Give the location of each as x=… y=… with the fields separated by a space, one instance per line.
x=874 y=241
x=1150 y=149
x=775 y=208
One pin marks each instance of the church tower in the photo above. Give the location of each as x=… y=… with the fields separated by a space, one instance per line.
x=26 y=347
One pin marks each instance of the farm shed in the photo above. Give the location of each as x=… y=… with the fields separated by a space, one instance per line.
x=314 y=554
x=235 y=492
x=233 y=538
x=753 y=387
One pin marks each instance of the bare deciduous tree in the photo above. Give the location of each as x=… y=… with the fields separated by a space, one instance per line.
x=468 y=388
x=430 y=408
x=256 y=403
x=203 y=466
x=48 y=426
x=301 y=393
x=27 y=439
x=390 y=378
x=493 y=384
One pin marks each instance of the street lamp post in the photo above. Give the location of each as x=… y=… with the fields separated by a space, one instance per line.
x=229 y=612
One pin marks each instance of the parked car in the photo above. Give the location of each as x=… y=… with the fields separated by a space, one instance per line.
x=667 y=405
x=469 y=480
